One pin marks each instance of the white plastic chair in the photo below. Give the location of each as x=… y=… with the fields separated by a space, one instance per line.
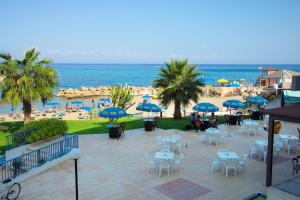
x=177 y=161
x=291 y=145
x=151 y=162
x=164 y=165
x=231 y=164
x=215 y=163
x=178 y=148
x=252 y=149
x=242 y=161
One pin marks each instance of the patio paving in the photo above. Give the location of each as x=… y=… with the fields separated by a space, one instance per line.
x=111 y=169
x=182 y=189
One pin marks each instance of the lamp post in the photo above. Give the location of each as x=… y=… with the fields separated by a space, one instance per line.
x=75 y=158
x=76 y=178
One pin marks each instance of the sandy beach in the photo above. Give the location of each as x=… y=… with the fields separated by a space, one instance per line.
x=218 y=101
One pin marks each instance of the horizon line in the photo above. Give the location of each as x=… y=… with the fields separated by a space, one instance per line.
x=79 y=63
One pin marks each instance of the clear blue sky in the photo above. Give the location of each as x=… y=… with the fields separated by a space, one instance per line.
x=152 y=31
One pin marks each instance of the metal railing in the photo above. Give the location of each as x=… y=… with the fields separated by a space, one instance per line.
x=15 y=140
x=20 y=165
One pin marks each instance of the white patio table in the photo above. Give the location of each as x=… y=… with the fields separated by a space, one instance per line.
x=171 y=139
x=164 y=155
x=289 y=141
x=227 y=155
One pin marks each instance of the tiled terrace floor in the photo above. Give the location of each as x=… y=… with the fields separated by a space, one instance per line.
x=111 y=169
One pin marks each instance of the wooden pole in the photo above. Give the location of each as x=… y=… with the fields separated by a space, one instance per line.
x=270 y=152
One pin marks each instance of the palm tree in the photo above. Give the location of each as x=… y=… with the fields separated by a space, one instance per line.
x=179 y=83
x=26 y=81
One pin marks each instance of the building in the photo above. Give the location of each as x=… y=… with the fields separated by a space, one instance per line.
x=270 y=76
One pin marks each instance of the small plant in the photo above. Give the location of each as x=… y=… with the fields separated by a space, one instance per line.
x=121 y=96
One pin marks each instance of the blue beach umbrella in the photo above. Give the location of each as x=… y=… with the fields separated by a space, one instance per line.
x=148 y=107
x=257 y=100
x=112 y=113
x=52 y=104
x=233 y=103
x=76 y=102
x=86 y=108
x=105 y=99
x=205 y=107
x=146 y=97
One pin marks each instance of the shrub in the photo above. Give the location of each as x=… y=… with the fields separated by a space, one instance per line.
x=188 y=127
x=43 y=129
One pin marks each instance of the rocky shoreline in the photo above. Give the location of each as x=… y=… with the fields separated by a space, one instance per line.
x=244 y=91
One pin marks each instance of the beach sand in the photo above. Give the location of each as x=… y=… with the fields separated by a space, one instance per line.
x=218 y=101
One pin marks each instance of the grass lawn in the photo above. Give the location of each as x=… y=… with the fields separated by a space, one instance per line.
x=98 y=126
x=95 y=126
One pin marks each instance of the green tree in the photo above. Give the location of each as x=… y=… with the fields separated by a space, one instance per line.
x=121 y=96
x=26 y=81
x=180 y=84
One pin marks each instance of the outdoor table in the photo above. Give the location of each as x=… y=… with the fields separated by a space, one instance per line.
x=164 y=155
x=262 y=143
x=212 y=130
x=213 y=135
x=249 y=124
x=286 y=138
x=227 y=155
x=205 y=125
x=170 y=139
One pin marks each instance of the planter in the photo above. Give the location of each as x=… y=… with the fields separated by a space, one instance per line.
x=256 y=115
x=114 y=132
x=148 y=125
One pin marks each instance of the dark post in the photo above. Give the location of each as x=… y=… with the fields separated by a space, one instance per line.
x=282 y=99
x=76 y=178
x=270 y=152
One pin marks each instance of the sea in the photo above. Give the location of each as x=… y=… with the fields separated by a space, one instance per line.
x=93 y=75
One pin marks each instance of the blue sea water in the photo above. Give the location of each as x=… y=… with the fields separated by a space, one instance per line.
x=93 y=75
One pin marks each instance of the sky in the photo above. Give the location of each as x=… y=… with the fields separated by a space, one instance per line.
x=153 y=31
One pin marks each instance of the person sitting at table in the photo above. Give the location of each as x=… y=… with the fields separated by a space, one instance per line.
x=213 y=120
x=193 y=119
x=199 y=124
x=261 y=113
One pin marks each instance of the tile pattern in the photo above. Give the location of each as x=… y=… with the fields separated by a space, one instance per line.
x=276 y=159
x=291 y=186
x=182 y=189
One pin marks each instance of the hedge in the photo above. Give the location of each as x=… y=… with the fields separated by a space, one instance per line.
x=43 y=129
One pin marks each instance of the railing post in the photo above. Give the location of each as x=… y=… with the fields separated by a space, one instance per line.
x=61 y=147
x=38 y=153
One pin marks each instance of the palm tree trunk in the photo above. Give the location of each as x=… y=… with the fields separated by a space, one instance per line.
x=177 y=110
x=27 y=111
